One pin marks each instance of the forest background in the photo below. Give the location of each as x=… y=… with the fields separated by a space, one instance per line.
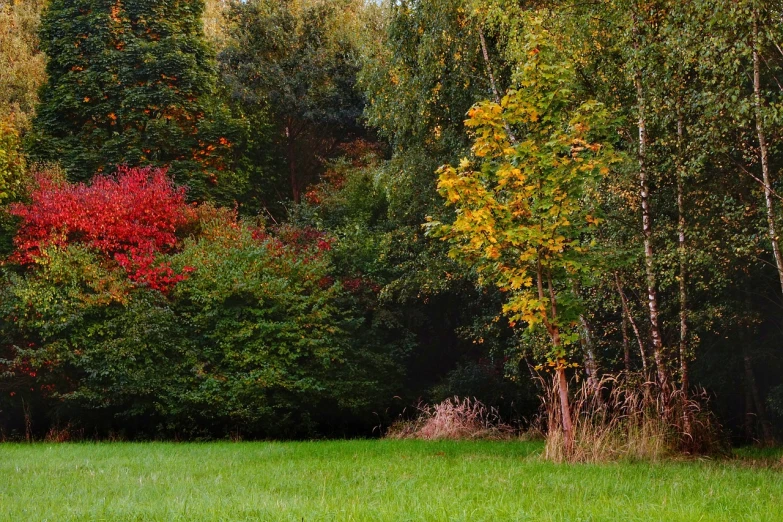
x=318 y=213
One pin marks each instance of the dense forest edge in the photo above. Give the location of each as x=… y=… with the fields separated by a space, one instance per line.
x=312 y=218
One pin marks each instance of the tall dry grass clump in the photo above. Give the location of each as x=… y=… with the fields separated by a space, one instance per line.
x=453 y=419
x=627 y=418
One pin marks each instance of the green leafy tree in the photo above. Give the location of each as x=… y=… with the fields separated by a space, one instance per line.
x=297 y=61
x=683 y=71
x=133 y=83
x=426 y=75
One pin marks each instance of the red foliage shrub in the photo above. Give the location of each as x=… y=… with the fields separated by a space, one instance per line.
x=130 y=218
x=305 y=239
x=356 y=285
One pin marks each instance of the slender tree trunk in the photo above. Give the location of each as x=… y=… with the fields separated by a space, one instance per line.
x=626 y=345
x=627 y=315
x=587 y=341
x=683 y=260
x=649 y=255
x=485 y=53
x=682 y=278
x=28 y=421
x=493 y=84
x=565 y=405
x=560 y=376
x=591 y=365
x=764 y=151
x=565 y=408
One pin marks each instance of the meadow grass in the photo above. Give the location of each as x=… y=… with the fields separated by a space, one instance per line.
x=369 y=480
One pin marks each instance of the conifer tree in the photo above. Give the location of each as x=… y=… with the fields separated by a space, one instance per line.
x=132 y=82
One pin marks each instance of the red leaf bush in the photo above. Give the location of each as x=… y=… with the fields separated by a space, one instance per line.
x=130 y=218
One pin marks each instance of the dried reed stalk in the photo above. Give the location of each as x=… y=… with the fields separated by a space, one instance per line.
x=454 y=419
x=627 y=418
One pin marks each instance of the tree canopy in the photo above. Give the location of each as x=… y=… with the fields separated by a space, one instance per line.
x=292 y=218
x=133 y=83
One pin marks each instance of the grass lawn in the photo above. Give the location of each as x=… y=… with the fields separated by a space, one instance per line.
x=370 y=481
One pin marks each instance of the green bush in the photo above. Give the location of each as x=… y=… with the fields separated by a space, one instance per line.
x=259 y=340
x=12 y=164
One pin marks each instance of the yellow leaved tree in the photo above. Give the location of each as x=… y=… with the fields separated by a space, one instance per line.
x=523 y=214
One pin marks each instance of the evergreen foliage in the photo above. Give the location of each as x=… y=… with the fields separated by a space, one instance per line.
x=133 y=83
x=297 y=62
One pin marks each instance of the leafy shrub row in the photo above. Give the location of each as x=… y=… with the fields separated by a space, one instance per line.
x=127 y=309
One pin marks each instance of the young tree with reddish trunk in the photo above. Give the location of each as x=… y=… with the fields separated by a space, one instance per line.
x=523 y=220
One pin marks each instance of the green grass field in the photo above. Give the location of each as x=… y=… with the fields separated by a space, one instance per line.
x=371 y=481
